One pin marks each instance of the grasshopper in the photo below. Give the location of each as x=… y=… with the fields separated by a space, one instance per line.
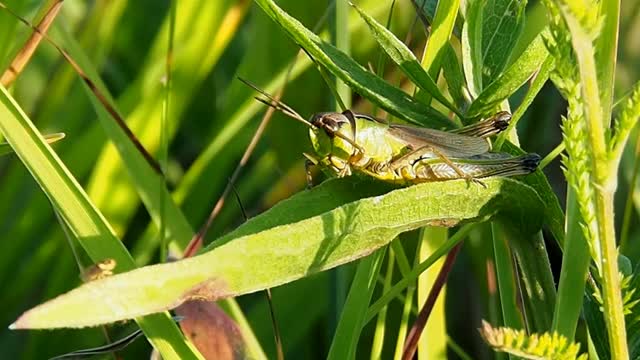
x=346 y=142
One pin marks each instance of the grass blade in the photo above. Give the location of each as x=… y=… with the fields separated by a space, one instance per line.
x=95 y=235
x=345 y=339
x=403 y=57
x=357 y=77
x=438 y=43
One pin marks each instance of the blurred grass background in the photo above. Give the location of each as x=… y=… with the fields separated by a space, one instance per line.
x=212 y=119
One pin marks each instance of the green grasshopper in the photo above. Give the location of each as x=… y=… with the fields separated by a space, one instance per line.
x=347 y=142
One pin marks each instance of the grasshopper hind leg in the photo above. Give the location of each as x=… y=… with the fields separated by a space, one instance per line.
x=417 y=155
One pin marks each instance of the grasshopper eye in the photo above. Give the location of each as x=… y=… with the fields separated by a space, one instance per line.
x=329 y=122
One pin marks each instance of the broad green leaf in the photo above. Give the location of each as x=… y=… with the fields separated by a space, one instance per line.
x=357 y=77
x=502 y=23
x=511 y=79
x=84 y=220
x=452 y=72
x=472 y=46
x=553 y=214
x=538 y=287
x=403 y=57
x=312 y=231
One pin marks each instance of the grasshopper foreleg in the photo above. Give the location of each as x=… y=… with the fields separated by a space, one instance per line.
x=309 y=164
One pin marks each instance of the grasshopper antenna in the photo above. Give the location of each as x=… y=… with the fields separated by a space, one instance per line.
x=277 y=104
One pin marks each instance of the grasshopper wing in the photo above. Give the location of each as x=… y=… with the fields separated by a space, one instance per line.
x=447 y=143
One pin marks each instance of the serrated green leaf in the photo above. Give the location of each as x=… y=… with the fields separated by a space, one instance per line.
x=531 y=346
x=633 y=318
x=510 y=80
x=625 y=122
x=312 y=231
x=403 y=57
x=357 y=77
x=502 y=23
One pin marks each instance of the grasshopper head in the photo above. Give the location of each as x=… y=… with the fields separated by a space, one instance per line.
x=332 y=134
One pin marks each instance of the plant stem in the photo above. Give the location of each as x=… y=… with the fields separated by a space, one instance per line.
x=604 y=177
x=612 y=298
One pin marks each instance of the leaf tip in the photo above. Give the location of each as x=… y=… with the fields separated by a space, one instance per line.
x=23 y=322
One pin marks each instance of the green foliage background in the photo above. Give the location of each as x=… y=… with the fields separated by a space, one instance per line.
x=212 y=117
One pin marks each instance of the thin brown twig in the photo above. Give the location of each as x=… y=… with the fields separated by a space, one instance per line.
x=267 y=291
x=28 y=49
x=196 y=242
x=421 y=321
x=96 y=91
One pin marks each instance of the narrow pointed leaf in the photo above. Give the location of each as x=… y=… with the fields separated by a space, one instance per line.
x=84 y=220
x=472 y=46
x=5 y=148
x=438 y=44
x=313 y=231
x=403 y=57
x=353 y=74
x=512 y=79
